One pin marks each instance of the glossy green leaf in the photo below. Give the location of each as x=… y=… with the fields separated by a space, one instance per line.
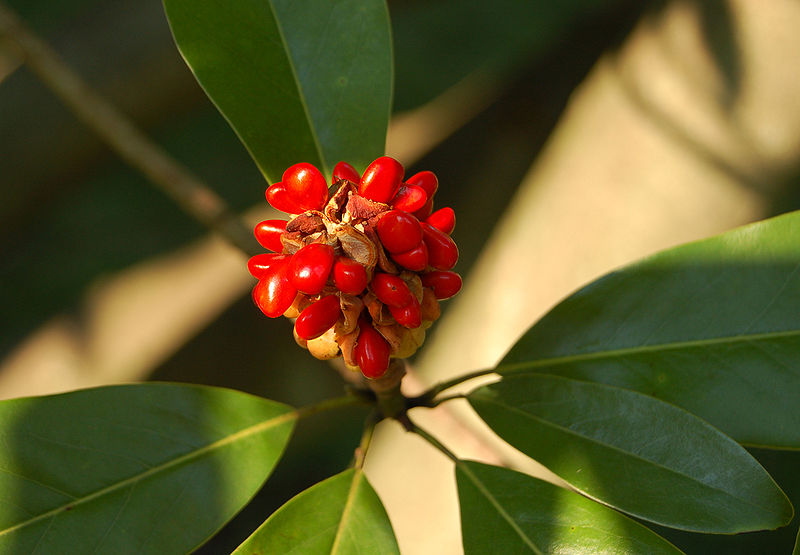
x=339 y=515
x=796 y=550
x=503 y=511
x=633 y=452
x=298 y=81
x=149 y=468
x=712 y=326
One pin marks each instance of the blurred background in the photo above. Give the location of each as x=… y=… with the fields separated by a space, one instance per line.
x=569 y=137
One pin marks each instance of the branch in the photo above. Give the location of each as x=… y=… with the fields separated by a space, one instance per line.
x=133 y=146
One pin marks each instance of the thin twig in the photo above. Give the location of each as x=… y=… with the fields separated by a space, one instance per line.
x=366 y=439
x=329 y=404
x=427 y=399
x=133 y=146
x=433 y=441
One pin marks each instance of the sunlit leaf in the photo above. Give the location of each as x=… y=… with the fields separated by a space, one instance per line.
x=150 y=468
x=298 y=81
x=713 y=327
x=636 y=453
x=503 y=511
x=340 y=515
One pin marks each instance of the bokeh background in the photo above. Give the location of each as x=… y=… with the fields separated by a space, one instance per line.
x=570 y=138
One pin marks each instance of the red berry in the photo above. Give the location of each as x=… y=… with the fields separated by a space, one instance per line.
x=409 y=316
x=349 y=276
x=391 y=290
x=371 y=351
x=275 y=293
x=318 y=318
x=443 y=284
x=425 y=179
x=443 y=219
x=442 y=250
x=343 y=170
x=261 y=266
x=268 y=234
x=409 y=198
x=399 y=231
x=279 y=199
x=415 y=260
x=381 y=179
x=306 y=186
x=425 y=211
x=310 y=267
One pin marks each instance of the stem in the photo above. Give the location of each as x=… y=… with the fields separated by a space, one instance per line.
x=366 y=438
x=427 y=399
x=133 y=146
x=433 y=441
x=329 y=404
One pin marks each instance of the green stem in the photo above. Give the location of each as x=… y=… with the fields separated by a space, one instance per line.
x=366 y=438
x=433 y=441
x=330 y=404
x=427 y=399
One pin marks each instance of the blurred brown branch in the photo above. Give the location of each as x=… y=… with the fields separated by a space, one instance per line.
x=133 y=146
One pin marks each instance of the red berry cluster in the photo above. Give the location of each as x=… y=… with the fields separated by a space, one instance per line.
x=360 y=265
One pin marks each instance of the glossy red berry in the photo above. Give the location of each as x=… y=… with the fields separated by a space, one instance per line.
x=268 y=234
x=415 y=260
x=408 y=316
x=399 y=231
x=275 y=293
x=261 y=266
x=310 y=267
x=381 y=179
x=318 y=318
x=442 y=251
x=425 y=179
x=279 y=199
x=409 y=198
x=443 y=219
x=391 y=290
x=443 y=284
x=343 y=170
x=425 y=211
x=306 y=186
x=349 y=276
x=372 y=351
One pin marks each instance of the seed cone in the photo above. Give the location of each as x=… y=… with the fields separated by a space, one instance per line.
x=385 y=266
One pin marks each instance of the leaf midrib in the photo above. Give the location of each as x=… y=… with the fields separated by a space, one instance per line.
x=220 y=443
x=597 y=442
x=496 y=504
x=300 y=90
x=642 y=349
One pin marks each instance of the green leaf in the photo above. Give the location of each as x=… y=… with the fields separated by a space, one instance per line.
x=712 y=326
x=636 y=453
x=298 y=81
x=796 y=550
x=504 y=511
x=149 y=468
x=339 y=515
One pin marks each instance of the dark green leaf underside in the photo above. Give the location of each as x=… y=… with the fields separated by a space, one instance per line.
x=149 y=468
x=636 y=453
x=298 y=81
x=340 y=515
x=713 y=327
x=503 y=511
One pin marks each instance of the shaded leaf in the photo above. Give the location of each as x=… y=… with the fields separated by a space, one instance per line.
x=298 y=81
x=342 y=514
x=711 y=326
x=504 y=511
x=149 y=468
x=636 y=453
